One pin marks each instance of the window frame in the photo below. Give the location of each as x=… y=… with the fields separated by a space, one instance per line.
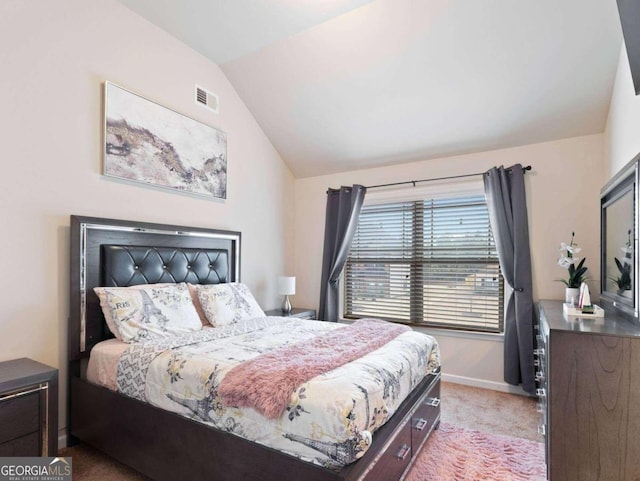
x=458 y=189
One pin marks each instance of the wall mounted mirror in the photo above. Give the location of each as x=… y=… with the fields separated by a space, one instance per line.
x=619 y=241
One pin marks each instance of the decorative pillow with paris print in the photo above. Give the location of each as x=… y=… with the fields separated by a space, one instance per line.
x=149 y=312
x=225 y=304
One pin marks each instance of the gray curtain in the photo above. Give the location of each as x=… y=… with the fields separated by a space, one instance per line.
x=506 y=200
x=343 y=210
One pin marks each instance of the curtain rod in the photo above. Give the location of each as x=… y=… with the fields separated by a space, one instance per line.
x=414 y=182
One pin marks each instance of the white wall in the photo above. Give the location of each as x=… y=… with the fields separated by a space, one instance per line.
x=562 y=195
x=622 y=135
x=55 y=57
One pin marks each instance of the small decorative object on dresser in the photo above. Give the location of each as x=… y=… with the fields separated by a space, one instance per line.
x=286 y=288
x=28 y=408
x=577 y=273
x=584 y=308
x=300 y=313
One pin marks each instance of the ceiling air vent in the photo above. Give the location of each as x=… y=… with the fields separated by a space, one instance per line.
x=207 y=99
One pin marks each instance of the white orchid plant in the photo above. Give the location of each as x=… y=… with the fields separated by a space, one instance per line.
x=568 y=260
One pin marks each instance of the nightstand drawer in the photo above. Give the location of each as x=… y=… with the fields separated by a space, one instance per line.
x=28 y=408
x=28 y=445
x=19 y=415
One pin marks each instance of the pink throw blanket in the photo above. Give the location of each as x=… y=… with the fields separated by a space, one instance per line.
x=267 y=382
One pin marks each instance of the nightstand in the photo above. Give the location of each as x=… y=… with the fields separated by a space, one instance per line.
x=295 y=312
x=28 y=408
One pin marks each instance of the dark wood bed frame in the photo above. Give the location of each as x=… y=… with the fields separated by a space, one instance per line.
x=166 y=446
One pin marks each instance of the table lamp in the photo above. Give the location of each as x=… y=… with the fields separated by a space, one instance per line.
x=286 y=288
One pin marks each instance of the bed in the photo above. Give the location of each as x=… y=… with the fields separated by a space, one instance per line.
x=166 y=445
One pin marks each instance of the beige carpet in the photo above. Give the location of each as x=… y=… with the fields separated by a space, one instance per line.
x=490 y=411
x=468 y=407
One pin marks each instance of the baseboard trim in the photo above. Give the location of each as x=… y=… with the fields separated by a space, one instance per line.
x=62 y=438
x=483 y=383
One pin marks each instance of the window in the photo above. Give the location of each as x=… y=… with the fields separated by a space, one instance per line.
x=430 y=262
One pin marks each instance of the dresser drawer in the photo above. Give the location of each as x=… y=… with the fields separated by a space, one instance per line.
x=425 y=417
x=395 y=459
x=19 y=416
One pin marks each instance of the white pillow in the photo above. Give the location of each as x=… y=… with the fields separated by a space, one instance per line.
x=225 y=304
x=148 y=311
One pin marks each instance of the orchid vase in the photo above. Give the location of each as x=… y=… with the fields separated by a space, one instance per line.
x=572 y=294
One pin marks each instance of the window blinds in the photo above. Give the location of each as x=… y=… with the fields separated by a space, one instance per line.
x=430 y=262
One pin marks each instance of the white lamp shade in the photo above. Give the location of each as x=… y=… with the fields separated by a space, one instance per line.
x=286 y=285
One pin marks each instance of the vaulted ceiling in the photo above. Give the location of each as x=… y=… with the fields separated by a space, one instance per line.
x=346 y=84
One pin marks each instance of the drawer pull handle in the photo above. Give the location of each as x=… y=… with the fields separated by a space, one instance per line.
x=23 y=393
x=434 y=402
x=421 y=424
x=403 y=451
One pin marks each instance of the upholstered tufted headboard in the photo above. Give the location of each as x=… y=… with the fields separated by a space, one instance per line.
x=132 y=265
x=107 y=252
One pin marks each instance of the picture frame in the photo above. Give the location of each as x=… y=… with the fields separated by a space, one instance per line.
x=145 y=142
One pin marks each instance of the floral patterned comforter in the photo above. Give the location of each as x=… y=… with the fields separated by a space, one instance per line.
x=329 y=420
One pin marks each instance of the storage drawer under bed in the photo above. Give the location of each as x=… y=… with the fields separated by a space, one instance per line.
x=396 y=458
x=425 y=417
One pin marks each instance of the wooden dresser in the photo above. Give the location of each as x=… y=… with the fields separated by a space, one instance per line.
x=28 y=408
x=589 y=393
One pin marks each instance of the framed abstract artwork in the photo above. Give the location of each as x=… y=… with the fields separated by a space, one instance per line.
x=151 y=144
